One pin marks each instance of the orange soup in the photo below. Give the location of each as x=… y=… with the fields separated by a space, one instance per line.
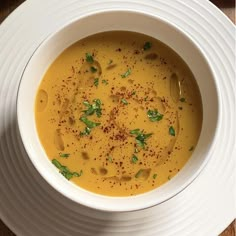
x=118 y=113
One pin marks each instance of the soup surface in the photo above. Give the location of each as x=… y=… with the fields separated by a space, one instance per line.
x=118 y=113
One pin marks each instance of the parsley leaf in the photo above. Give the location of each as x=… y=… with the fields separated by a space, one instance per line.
x=90 y=124
x=182 y=99
x=93 y=69
x=105 y=82
x=154 y=176
x=89 y=58
x=64 y=155
x=96 y=82
x=86 y=131
x=124 y=101
x=172 y=131
x=140 y=137
x=126 y=74
x=147 y=46
x=65 y=171
x=134 y=159
x=154 y=115
x=93 y=108
x=135 y=131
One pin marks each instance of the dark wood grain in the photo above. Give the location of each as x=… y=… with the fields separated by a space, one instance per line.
x=227 y=6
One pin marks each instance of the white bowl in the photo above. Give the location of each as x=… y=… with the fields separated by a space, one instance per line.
x=109 y=20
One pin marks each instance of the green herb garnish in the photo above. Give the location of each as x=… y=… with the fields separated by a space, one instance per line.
x=145 y=99
x=89 y=58
x=64 y=155
x=90 y=124
x=78 y=174
x=135 y=131
x=172 y=131
x=93 y=108
x=110 y=159
x=147 y=46
x=140 y=137
x=105 y=82
x=154 y=115
x=169 y=177
x=191 y=149
x=133 y=93
x=93 y=69
x=136 y=150
x=182 y=99
x=96 y=82
x=124 y=101
x=126 y=74
x=138 y=174
x=154 y=176
x=86 y=132
x=65 y=171
x=134 y=159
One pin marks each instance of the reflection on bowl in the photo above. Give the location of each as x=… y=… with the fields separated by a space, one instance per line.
x=128 y=21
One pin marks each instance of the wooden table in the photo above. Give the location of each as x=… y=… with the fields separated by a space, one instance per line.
x=227 y=6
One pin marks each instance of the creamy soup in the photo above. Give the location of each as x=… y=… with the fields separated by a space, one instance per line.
x=118 y=113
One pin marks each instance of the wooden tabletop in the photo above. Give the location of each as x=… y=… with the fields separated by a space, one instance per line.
x=227 y=6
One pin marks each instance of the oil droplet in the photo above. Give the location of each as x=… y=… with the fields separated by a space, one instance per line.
x=41 y=100
x=58 y=141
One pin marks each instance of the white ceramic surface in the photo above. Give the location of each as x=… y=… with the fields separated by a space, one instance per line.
x=31 y=207
x=118 y=20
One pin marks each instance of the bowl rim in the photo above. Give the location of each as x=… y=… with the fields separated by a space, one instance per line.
x=126 y=208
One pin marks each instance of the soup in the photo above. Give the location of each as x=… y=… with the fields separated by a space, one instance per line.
x=118 y=113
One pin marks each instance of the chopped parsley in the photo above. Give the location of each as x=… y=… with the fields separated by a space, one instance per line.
x=169 y=177
x=191 y=148
x=140 y=137
x=133 y=93
x=134 y=159
x=110 y=159
x=172 y=131
x=93 y=108
x=135 y=131
x=64 y=155
x=154 y=115
x=90 y=124
x=86 y=132
x=182 y=99
x=93 y=69
x=145 y=99
x=147 y=46
x=126 y=74
x=105 y=82
x=65 y=171
x=89 y=58
x=96 y=82
x=123 y=100
x=154 y=176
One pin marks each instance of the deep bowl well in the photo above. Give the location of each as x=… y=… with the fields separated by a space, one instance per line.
x=135 y=21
